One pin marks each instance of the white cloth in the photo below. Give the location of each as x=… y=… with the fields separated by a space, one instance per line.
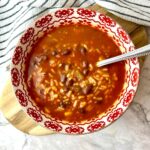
x=133 y=10
x=16 y=15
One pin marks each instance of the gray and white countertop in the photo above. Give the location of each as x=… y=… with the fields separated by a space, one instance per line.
x=130 y=132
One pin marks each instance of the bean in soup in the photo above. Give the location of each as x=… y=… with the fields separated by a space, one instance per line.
x=62 y=77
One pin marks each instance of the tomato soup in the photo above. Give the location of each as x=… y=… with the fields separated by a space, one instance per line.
x=62 y=77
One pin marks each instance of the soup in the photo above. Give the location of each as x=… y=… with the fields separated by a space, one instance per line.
x=62 y=77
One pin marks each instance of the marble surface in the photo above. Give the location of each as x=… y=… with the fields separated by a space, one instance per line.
x=129 y=132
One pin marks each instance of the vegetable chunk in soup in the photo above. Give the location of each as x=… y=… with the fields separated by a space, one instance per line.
x=62 y=77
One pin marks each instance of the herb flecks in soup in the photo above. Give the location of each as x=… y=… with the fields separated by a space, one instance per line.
x=62 y=77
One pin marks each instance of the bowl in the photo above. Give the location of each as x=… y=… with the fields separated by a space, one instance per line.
x=65 y=17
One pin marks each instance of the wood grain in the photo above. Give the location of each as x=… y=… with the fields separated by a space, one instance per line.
x=19 y=119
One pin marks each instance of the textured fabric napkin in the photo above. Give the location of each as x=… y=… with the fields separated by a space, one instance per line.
x=133 y=10
x=16 y=15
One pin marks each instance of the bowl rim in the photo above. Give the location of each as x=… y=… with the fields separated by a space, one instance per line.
x=104 y=22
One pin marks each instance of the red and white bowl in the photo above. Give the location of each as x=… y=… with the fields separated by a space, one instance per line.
x=48 y=23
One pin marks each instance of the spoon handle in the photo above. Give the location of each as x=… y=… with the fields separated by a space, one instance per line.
x=135 y=53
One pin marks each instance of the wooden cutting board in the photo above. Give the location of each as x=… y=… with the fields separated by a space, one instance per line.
x=18 y=118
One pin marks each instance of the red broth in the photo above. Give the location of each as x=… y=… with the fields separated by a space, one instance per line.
x=62 y=77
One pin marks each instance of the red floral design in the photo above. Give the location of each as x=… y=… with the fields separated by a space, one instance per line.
x=74 y=130
x=135 y=77
x=22 y=99
x=86 y=12
x=52 y=126
x=15 y=76
x=17 y=55
x=27 y=36
x=107 y=20
x=43 y=21
x=96 y=126
x=114 y=115
x=131 y=48
x=123 y=35
x=34 y=114
x=133 y=60
x=64 y=13
x=128 y=97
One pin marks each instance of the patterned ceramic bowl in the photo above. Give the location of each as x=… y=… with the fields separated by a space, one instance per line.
x=48 y=23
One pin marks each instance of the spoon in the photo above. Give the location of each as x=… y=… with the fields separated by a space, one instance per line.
x=145 y=50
